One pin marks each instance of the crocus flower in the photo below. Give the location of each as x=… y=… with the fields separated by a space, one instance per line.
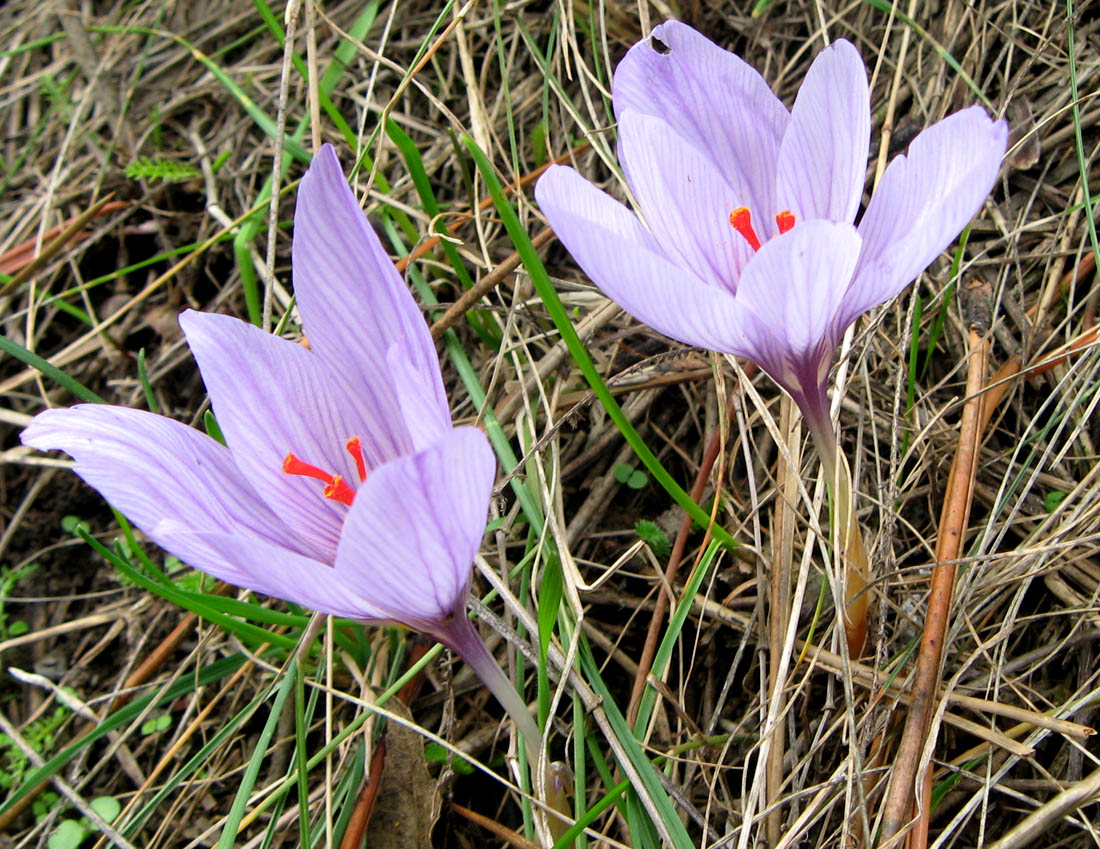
x=343 y=485
x=748 y=244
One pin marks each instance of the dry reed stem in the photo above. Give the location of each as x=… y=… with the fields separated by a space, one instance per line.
x=958 y=496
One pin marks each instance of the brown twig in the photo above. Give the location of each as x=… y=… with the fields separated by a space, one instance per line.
x=649 y=650
x=364 y=802
x=898 y=806
x=485 y=285
x=20 y=257
x=506 y=834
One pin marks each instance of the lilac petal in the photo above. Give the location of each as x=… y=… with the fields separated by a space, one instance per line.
x=353 y=302
x=160 y=473
x=791 y=292
x=422 y=415
x=415 y=526
x=823 y=158
x=273 y=397
x=716 y=101
x=685 y=200
x=267 y=569
x=923 y=201
x=623 y=259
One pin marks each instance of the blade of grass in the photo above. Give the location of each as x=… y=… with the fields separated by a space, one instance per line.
x=672 y=634
x=252 y=772
x=560 y=317
x=1078 y=140
x=190 y=601
x=51 y=371
x=886 y=6
x=206 y=675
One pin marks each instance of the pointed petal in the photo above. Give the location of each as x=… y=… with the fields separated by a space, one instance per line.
x=791 y=293
x=823 y=158
x=685 y=200
x=353 y=302
x=160 y=474
x=267 y=569
x=423 y=418
x=273 y=397
x=415 y=526
x=624 y=260
x=716 y=101
x=923 y=201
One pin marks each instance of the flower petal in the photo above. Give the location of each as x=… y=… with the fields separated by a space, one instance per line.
x=823 y=158
x=161 y=474
x=923 y=201
x=353 y=302
x=273 y=571
x=623 y=259
x=273 y=397
x=713 y=99
x=425 y=421
x=791 y=293
x=415 y=526
x=685 y=200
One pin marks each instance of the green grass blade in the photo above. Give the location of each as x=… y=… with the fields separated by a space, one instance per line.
x=1078 y=139
x=560 y=317
x=248 y=782
x=207 y=675
x=49 y=370
x=672 y=634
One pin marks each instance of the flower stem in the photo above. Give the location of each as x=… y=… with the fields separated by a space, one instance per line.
x=847 y=538
x=462 y=638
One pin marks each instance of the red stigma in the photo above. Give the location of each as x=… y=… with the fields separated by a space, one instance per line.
x=293 y=466
x=784 y=220
x=741 y=221
x=336 y=488
x=355 y=449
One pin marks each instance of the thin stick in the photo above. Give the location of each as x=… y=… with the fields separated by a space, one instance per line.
x=649 y=650
x=898 y=805
x=483 y=286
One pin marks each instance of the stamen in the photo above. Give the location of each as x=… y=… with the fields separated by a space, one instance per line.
x=338 y=490
x=741 y=220
x=355 y=449
x=784 y=220
x=293 y=466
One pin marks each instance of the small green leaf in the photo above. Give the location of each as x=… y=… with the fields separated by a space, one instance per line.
x=436 y=754
x=654 y=537
x=69 y=834
x=108 y=807
x=155 y=724
x=211 y=425
x=144 y=168
x=73 y=525
x=637 y=480
x=622 y=472
x=1053 y=499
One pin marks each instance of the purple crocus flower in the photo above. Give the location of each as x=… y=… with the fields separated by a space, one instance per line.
x=749 y=245
x=343 y=486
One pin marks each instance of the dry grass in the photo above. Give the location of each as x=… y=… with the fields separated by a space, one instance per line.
x=759 y=726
